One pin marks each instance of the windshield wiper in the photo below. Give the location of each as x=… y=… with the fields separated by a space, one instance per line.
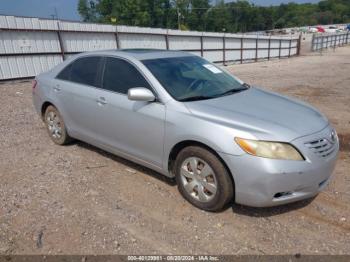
x=246 y=85
x=195 y=98
x=233 y=91
x=229 y=92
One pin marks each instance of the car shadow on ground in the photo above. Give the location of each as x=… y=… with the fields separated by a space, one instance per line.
x=269 y=211
x=236 y=208
x=127 y=163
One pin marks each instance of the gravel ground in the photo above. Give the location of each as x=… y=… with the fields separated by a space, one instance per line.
x=78 y=199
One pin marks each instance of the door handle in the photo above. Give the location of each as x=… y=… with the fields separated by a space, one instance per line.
x=101 y=101
x=57 y=88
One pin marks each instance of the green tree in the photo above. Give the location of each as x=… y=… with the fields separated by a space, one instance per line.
x=87 y=10
x=198 y=14
x=207 y=15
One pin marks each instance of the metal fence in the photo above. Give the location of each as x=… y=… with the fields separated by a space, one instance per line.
x=325 y=41
x=29 y=46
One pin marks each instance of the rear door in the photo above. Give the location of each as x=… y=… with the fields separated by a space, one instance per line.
x=133 y=127
x=77 y=85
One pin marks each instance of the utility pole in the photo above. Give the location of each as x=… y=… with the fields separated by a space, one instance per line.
x=178 y=18
x=206 y=17
x=56 y=14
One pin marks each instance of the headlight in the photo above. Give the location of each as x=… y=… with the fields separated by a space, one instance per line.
x=268 y=149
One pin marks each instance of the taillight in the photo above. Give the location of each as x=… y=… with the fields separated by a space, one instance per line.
x=34 y=82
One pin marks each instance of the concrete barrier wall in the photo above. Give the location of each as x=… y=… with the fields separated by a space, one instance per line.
x=29 y=46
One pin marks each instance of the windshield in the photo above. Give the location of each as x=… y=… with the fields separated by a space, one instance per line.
x=193 y=78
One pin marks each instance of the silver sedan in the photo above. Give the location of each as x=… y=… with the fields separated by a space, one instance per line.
x=184 y=117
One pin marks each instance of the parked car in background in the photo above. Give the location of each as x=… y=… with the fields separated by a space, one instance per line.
x=184 y=117
x=313 y=30
x=332 y=30
x=320 y=29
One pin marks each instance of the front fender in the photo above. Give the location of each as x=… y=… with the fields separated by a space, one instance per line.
x=183 y=126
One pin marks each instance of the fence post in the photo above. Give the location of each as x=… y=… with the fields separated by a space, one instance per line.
x=166 y=36
x=269 y=49
x=340 y=40
x=256 y=48
x=201 y=38
x=313 y=43
x=299 y=44
x=117 y=38
x=60 y=40
x=322 y=43
x=345 y=39
x=340 y=43
x=290 y=47
x=335 y=40
x=224 y=50
x=280 y=49
x=241 y=50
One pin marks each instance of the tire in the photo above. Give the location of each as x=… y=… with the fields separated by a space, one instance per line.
x=56 y=127
x=210 y=186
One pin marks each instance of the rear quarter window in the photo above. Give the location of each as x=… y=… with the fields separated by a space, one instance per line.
x=84 y=70
x=65 y=73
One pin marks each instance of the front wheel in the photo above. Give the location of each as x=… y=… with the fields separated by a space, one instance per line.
x=202 y=179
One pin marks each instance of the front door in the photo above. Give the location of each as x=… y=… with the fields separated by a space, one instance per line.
x=133 y=127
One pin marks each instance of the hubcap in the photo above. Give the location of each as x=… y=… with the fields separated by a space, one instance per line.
x=54 y=125
x=198 y=179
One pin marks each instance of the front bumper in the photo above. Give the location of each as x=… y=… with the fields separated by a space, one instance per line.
x=263 y=182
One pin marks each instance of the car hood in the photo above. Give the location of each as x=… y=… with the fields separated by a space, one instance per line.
x=261 y=114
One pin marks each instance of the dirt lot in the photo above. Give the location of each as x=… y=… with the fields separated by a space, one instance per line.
x=80 y=200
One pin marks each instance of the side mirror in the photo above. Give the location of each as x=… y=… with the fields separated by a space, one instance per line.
x=141 y=94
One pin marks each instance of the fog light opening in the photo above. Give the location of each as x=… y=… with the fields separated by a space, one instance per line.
x=282 y=194
x=322 y=183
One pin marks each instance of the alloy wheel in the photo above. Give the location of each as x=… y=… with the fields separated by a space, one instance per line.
x=198 y=179
x=54 y=125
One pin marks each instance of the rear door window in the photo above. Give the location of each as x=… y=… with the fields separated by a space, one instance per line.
x=119 y=76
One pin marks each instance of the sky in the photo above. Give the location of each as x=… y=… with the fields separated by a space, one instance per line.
x=67 y=9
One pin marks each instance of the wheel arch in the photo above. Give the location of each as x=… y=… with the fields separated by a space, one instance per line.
x=175 y=150
x=44 y=106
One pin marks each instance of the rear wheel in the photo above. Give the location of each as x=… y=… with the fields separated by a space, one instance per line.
x=56 y=127
x=202 y=179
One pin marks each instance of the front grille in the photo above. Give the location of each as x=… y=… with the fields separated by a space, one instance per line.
x=321 y=147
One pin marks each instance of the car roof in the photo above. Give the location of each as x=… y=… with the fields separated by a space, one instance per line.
x=143 y=54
